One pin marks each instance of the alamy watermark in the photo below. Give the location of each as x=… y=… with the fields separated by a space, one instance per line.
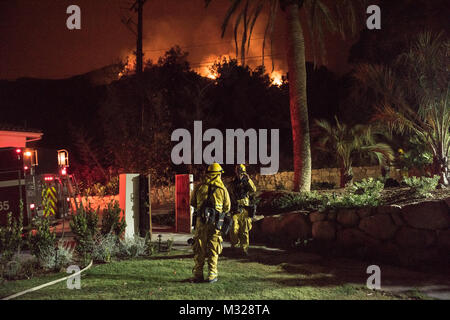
x=214 y=152
x=74 y=20
x=374 y=280
x=374 y=20
x=74 y=282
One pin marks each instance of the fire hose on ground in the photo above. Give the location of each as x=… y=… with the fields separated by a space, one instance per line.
x=48 y=283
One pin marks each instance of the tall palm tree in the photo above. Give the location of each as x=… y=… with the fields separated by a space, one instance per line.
x=413 y=95
x=341 y=16
x=346 y=142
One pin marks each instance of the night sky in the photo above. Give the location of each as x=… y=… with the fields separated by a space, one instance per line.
x=34 y=40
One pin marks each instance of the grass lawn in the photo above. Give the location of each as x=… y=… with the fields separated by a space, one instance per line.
x=264 y=275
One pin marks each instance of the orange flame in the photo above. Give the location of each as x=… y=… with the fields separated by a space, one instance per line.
x=277 y=78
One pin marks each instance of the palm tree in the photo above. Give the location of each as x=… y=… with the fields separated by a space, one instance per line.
x=341 y=16
x=413 y=95
x=346 y=142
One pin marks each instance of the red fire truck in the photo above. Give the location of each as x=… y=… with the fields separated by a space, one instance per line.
x=34 y=182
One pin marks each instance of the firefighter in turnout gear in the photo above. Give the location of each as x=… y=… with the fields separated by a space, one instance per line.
x=242 y=212
x=211 y=203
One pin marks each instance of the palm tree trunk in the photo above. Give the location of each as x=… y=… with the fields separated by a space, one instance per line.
x=298 y=99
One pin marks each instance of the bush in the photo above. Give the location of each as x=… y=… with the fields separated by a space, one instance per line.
x=422 y=186
x=366 y=193
x=111 y=221
x=368 y=186
x=132 y=247
x=11 y=237
x=84 y=226
x=16 y=269
x=322 y=185
x=352 y=200
x=106 y=247
x=42 y=238
x=56 y=259
x=299 y=201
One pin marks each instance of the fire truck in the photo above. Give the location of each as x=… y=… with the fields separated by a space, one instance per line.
x=35 y=181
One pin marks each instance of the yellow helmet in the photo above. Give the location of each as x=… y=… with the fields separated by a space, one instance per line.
x=242 y=168
x=215 y=167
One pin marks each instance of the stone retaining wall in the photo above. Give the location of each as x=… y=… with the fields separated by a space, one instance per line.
x=285 y=180
x=408 y=234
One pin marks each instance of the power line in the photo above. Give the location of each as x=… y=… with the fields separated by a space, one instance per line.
x=201 y=45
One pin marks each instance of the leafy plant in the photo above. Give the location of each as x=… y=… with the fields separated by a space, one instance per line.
x=18 y=269
x=132 y=247
x=11 y=237
x=106 y=247
x=41 y=238
x=364 y=194
x=413 y=94
x=84 y=226
x=370 y=185
x=415 y=156
x=422 y=186
x=348 y=141
x=56 y=258
x=112 y=222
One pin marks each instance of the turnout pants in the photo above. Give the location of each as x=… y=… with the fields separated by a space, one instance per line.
x=207 y=247
x=240 y=231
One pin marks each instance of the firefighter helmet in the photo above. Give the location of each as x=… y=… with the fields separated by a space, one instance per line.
x=215 y=167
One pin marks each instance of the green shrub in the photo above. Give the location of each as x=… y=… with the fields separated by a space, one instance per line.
x=56 y=258
x=11 y=237
x=16 y=269
x=364 y=194
x=422 y=186
x=112 y=222
x=41 y=239
x=84 y=227
x=132 y=247
x=369 y=186
x=299 y=201
x=352 y=200
x=106 y=247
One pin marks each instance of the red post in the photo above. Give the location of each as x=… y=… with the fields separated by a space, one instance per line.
x=182 y=203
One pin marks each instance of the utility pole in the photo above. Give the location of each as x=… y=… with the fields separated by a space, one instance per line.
x=138 y=6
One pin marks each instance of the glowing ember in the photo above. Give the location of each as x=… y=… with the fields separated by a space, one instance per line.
x=277 y=78
x=129 y=67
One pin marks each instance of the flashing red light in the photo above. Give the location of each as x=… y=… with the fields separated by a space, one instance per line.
x=18 y=151
x=68 y=199
x=25 y=168
x=32 y=206
x=63 y=171
x=48 y=178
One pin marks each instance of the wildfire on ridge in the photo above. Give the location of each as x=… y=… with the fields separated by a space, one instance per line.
x=129 y=67
x=205 y=70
